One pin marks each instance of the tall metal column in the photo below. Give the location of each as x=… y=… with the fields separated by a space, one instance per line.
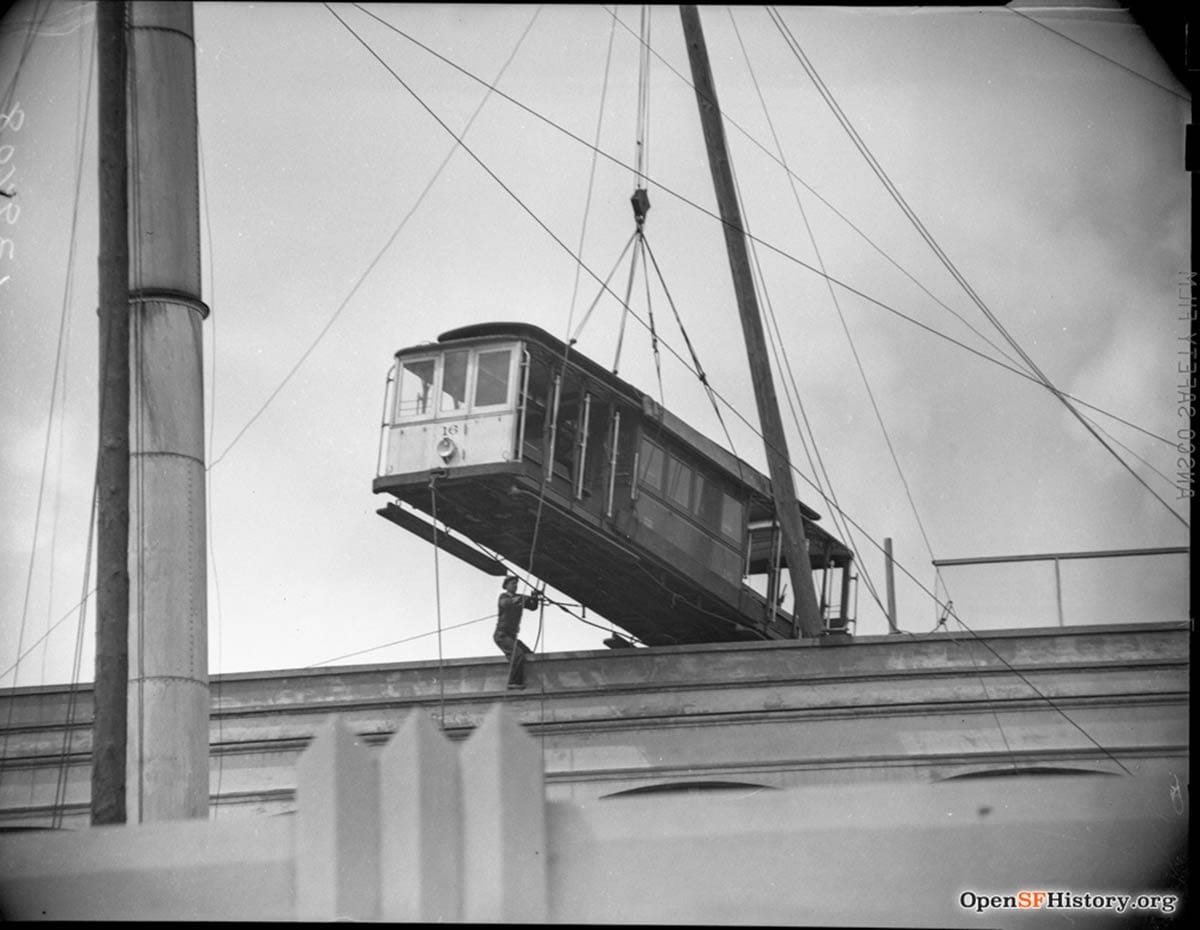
x=795 y=546
x=168 y=628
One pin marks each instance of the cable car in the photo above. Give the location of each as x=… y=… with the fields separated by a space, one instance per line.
x=500 y=441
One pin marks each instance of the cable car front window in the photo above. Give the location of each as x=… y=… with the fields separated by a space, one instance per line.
x=491 y=379
x=454 y=381
x=416 y=385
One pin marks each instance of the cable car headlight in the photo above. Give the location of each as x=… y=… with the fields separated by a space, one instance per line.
x=446 y=449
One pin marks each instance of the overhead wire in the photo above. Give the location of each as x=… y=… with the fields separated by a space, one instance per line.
x=636 y=316
x=729 y=120
x=42 y=28
x=81 y=122
x=61 y=781
x=458 y=143
x=210 y=525
x=777 y=341
x=1008 y=8
x=400 y=642
x=50 y=630
x=983 y=683
x=936 y=248
x=33 y=27
x=378 y=255
x=770 y=246
x=845 y=329
x=579 y=259
x=82 y=110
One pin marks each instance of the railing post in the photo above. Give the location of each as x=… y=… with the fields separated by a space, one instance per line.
x=337 y=830
x=1058 y=592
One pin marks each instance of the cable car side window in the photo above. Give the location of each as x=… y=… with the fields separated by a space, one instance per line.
x=491 y=380
x=731 y=518
x=416 y=387
x=453 y=395
x=651 y=467
x=708 y=502
x=679 y=483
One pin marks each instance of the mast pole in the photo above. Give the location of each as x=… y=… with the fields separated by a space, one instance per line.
x=806 y=613
x=112 y=469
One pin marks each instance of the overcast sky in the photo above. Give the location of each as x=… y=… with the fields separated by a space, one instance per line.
x=1048 y=167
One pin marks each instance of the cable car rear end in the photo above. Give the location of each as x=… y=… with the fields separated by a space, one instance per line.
x=499 y=441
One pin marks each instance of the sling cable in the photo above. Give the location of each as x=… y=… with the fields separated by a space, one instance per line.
x=640 y=201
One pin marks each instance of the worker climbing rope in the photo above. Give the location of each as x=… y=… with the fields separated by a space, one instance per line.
x=509 y=609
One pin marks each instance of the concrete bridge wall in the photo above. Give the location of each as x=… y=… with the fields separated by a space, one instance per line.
x=892 y=709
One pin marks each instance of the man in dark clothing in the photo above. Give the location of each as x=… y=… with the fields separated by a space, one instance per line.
x=508 y=625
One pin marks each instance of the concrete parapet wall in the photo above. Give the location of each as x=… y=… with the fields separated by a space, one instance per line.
x=433 y=830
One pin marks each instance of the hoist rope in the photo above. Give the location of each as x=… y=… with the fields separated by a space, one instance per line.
x=642 y=158
x=857 y=230
x=587 y=203
x=641 y=161
x=568 y=341
x=841 y=216
x=437 y=600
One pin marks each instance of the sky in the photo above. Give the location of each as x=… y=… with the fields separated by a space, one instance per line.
x=1040 y=146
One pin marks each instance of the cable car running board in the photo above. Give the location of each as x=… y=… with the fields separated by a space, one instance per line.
x=456 y=547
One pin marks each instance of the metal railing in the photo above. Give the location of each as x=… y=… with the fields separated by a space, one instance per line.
x=1057 y=558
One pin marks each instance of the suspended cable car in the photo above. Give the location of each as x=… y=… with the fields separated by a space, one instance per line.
x=499 y=441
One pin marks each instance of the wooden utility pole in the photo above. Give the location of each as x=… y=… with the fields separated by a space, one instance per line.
x=112 y=469
x=806 y=612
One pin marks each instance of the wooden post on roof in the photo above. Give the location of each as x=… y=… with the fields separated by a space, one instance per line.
x=806 y=612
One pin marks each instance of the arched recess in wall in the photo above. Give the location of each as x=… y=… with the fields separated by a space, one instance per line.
x=691 y=787
x=1010 y=772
